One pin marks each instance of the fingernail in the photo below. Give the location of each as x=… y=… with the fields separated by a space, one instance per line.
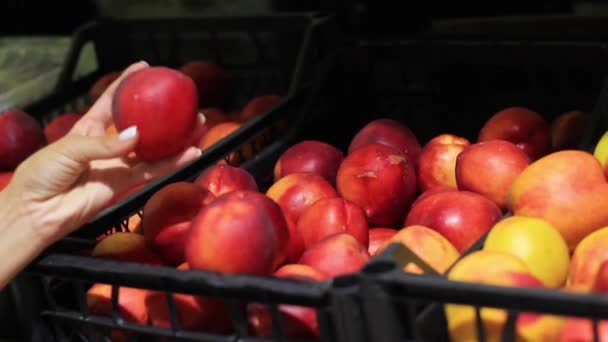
x=202 y=118
x=198 y=152
x=128 y=133
x=144 y=63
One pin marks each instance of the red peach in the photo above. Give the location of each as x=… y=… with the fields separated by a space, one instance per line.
x=278 y=220
x=131 y=302
x=167 y=216
x=380 y=180
x=5 y=178
x=102 y=84
x=20 y=137
x=297 y=321
x=60 y=126
x=217 y=133
x=437 y=162
x=310 y=156
x=336 y=255
x=236 y=235
x=193 y=312
x=329 y=216
x=521 y=126
x=163 y=104
x=462 y=217
x=297 y=191
x=257 y=106
x=124 y=246
x=378 y=237
x=212 y=82
x=567 y=130
x=221 y=179
x=390 y=133
x=489 y=168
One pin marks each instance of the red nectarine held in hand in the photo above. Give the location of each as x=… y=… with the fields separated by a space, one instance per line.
x=297 y=191
x=336 y=255
x=521 y=126
x=258 y=105
x=162 y=103
x=390 y=133
x=20 y=137
x=380 y=180
x=489 y=168
x=329 y=216
x=60 y=126
x=462 y=217
x=237 y=234
x=310 y=156
x=222 y=179
x=437 y=162
x=212 y=82
x=167 y=216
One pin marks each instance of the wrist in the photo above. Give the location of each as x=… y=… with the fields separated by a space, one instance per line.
x=14 y=220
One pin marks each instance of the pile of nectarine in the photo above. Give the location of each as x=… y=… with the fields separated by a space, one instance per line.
x=329 y=210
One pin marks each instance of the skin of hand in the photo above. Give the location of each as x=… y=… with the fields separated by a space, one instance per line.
x=65 y=184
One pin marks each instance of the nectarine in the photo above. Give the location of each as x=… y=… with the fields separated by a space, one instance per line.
x=336 y=255
x=20 y=137
x=378 y=237
x=310 y=156
x=567 y=130
x=125 y=246
x=258 y=105
x=102 y=84
x=212 y=82
x=437 y=162
x=5 y=178
x=60 y=126
x=221 y=179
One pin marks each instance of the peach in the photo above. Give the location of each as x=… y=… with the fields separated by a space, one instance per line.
x=131 y=302
x=332 y=215
x=521 y=126
x=102 y=84
x=489 y=168
x=5 y=178
x=167 y=216
x=567 y=130
x=60 y=126
x=310 y=156
x=390 y=133
x=295 y=246
x=587 y=258
x=212 y=82
x=537 y=243
x=502 y=269
x=437 y=162
x=163 y=104
x=297 y=321
x=299 y=271
x=125 y=246
x=20 y=137
x=236 y=234
x=193 y=312
x=462 y=217
x=222 y=179
x=566 y=189
x=336 y=255
x=279 y=222
x=217 y=133
x=378 y=237
x=380 y=180
x=257 y=106
x=430 y=246
x=297 y=191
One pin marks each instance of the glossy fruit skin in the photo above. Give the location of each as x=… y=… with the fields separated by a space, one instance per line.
x=20 y=137
x=163 y=104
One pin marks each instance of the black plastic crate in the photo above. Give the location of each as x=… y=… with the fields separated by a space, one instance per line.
x=453 y=86
x=275 y=53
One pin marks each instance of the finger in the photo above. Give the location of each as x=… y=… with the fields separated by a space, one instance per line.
x=147 y=171
x=99 y=115
x=84 y=150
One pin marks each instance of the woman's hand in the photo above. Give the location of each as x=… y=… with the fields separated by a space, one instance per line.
x=65 y=184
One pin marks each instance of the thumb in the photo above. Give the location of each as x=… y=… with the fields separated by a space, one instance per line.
x=84 y=149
